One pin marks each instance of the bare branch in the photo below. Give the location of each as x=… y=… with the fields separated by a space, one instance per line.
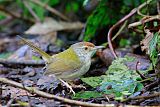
x=15 y=15
x=31 y=11
x=51 y=96
x=54 y=11
x=6 y=62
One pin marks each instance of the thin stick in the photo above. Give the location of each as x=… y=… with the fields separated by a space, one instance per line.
x=141 y=75
x=158 y=7
x=120 y=30
x=21 y=62
x=7 y=20
x=119 y=23
x=51 y=96
x=15 y=15
x=117 y=34
x=144 y=97
x=135 y=24
x=142 y=6
x=54 y=11
x=114 y=27
x=31 y=11
x=10 y=102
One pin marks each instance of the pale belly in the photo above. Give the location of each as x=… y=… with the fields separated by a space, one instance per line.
x=77 y=73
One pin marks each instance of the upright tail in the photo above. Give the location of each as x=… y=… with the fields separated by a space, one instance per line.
x=44 y=55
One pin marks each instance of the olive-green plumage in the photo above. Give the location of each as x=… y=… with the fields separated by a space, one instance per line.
x=69 y=64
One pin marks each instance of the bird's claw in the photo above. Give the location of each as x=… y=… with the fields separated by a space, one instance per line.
x=68 y=86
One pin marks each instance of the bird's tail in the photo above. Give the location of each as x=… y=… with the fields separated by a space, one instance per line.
x=44 y=55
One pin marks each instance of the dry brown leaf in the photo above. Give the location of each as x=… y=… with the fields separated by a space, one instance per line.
x=145 y=42
x=14 y=92
x=107 y=57
x=20 y=53
x=51 y=25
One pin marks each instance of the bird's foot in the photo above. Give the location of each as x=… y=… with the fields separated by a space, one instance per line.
x=68 y=86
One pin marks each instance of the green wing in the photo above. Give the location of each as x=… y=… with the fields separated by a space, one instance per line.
x=63 y=63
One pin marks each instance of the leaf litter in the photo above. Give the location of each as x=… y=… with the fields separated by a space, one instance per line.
x=119 y=80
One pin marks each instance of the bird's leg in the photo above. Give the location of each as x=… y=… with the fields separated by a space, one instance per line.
x=68 y=86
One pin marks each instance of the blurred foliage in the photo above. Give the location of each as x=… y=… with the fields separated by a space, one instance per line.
x=68 y=6
x=2 y=16
x=108 y=13
x=72 y=6
x=40 y=11
x=124 y=42
x=154 y=48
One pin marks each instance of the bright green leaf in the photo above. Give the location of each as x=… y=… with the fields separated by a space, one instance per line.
x=36 y=58
x=87 y=95
x=92 y=81
x=120 y=80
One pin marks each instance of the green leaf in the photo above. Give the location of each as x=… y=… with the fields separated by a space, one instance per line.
x=98 y=19
x=155 y=23
x=2 y=15
x=120 y=80
x=36 y=58
x=92 y=81
x=139 y=87
x=73 y=6
x=124 y=43
x=153 y=49
x=53 y=2
x=87 y=95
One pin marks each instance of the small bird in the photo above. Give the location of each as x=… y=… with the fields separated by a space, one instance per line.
x=69 y=64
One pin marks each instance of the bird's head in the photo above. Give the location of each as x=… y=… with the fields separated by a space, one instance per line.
x=85 y=48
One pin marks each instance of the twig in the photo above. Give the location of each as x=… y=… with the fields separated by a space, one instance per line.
x=114 y=27
x=143 y=97
x=31 y=11
x=22 y=62
x=120 y=30
x=0 y=93
x=4 y=70
x=153 y=84
x=51 y=96
x=119 y=23
x=147 y=79
x=158 y=7
x=10 y=102
x=15 y=15
x=6 y=20
x=142 y=6
x=141 y=75
x=135 y=24
x=54 y=11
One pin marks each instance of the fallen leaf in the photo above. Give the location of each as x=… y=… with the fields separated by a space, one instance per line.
x=107 y=57
x=50 y=25
x=14 y=91
x=49 y=83
x=146 y=41
x=92 y=81
x=120 y=80
x=87 y=95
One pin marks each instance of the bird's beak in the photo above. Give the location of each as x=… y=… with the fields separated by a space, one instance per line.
x=98 y=47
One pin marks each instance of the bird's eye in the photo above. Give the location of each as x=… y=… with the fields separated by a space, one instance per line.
x=86 y=48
